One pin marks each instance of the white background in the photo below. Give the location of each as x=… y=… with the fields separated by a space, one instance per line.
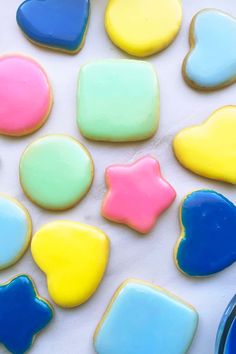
x=151 y=257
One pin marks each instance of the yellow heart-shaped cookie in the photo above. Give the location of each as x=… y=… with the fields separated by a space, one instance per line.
x=74 y=257
x=210 y=149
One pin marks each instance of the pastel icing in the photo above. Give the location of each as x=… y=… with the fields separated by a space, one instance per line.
x=23 y=314
x=145 y=27
x=56 y=171
x=211 y=62
x=56 y=24
x=137 y=194
x=73 y=257
x=15 y=231
x=142 y=318
x=207 y=242
x=25 y=95
x=209 y=149
x=225 y=340
x=118 y=100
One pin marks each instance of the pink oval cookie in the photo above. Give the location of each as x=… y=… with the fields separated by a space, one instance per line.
x=25 y=95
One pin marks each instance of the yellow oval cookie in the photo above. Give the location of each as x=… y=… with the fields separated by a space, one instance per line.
x=143 y=27
x=210 y=149
x=74 y=257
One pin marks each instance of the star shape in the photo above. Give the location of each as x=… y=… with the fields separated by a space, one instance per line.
x=137 y=195
x=22 y=314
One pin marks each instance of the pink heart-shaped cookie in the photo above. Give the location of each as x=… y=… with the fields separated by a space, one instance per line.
x=25 y=95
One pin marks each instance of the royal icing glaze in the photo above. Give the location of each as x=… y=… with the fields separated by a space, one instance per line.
x=143 y=318
x=56 y=171
x=207 y=243
x=137 y=195
x=57 y=24
x=209 y=149
x=211 y=62
x=25 y=95
x=15 y=231
x=225 y=340
x=142 y=28
x=118 y=100
x=23 y=314
x=74 y=258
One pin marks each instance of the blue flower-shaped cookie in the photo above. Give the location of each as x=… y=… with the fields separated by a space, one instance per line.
x=208 y=241
x=22 y=314
x=225 y=340
x=57 y=24
x=211 y=62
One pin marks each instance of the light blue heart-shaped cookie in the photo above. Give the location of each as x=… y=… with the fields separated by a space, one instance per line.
x=211 y=62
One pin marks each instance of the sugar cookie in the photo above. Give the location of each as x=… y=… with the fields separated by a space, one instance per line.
x=55 y=24
x=15 y=231
x=23 y=314
x=144 y=319
x=137 y=195
x=142 y=28
x=56 y=171
x=74 y=257
x=225 y=341
x=207 y=243
x=25 y=95
x=209 y=149
x=118 y=100
x=211 y=62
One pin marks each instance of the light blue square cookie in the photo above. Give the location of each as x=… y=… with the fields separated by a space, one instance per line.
x=143 y=319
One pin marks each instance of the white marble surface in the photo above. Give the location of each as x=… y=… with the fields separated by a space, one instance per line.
x=151 y=257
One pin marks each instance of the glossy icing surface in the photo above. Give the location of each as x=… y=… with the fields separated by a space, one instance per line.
x=15 y=231
x=25 y=95
x=211 y=62
x=74 y=257
x=58 y=24
x=23 y=314
x=137 y=195
x=118 y=100
x=207 y=244
x=225 y=340
x=145 y=319
x=142 y=28
x=56 y=172
x=209 y=149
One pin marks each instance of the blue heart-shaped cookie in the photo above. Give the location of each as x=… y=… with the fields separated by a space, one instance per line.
x=56 y=24
x=208 y=241
x=225 y=340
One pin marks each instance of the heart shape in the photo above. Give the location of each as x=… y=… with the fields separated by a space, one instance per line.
x=208 y=241
x=211 y=62
x=74 y=258
x=210 y=149
x=57 y=24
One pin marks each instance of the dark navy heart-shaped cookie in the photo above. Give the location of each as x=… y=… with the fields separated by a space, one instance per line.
x=208 y=241
x=57 y=24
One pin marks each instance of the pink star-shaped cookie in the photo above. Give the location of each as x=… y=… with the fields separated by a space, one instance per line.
x=137 y=194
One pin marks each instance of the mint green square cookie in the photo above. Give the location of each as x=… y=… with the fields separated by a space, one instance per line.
x=118 y=101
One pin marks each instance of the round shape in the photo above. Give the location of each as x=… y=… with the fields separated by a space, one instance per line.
x=144 y=27
x=56 y=172
x=15 y=231
x=25 y=95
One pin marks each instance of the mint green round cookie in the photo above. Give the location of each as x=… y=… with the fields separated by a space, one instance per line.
x=56 y=171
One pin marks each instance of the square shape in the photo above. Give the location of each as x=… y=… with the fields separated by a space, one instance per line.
x=118 y=100
x=144 y=319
